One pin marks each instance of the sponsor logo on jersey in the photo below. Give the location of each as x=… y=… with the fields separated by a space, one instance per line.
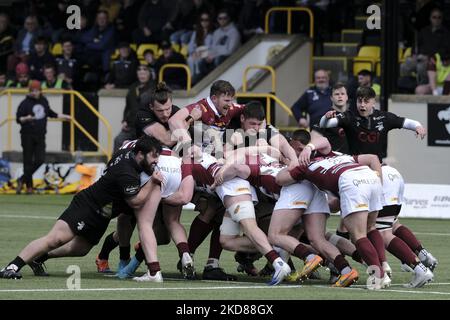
x=392 y=177
x=379 y=126
x=357 y=182
x=80 y=225
x=131 y=189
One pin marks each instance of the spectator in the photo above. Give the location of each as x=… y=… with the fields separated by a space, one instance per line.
x=99 y=43
x=315 y=102
x=432 y=39
x=251 y=17
x=138 y=97
x=123 y=70
x=364 y=80
x=185 y=16
x=22 y=77
x=67 y=66
x=182 y=20
x=39 y=58
x=174 y=77
x=51 y=81
x=77 y=36
x=24 y=44
x=126 y=20
x=226 y=40
x=57 y=16
x=152 y=19
x=112 y=7
x=150 y=60
x=438 y=76
x=32 y=115
x=27 y=35
x=200 y=44
x=6 y=39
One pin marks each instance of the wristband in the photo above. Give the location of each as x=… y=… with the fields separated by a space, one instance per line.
x=313 y=147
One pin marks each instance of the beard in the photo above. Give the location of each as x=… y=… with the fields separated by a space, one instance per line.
x=147 y=167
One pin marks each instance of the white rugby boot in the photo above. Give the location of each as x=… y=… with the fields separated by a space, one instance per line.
x=422 y=275
x=427 y=259
x=282 y=270
x=146 y=277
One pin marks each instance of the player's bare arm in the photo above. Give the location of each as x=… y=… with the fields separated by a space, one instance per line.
x=284 y=178
x=137 y=201
x=184 y=193
x=279 y=142
x=372 y=162
x=158 y=131
x=319 y=143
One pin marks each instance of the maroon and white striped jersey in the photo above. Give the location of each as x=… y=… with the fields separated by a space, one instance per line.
x=324 y=172
x=205 y=171
x=263 y=170
x=211 y=117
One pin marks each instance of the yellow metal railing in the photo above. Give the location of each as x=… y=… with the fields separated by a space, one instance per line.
x=269 y=97
x=289 y=16
x=268 y=68
x=73 y=122
x=289 y=11
x=176 y=65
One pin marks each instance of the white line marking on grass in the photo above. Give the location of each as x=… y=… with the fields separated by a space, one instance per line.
x=150 y=289
x=432 y=234
x=388 y=290
x=19 y=216
x=358 y=287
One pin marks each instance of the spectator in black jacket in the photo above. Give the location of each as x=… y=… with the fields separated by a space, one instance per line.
x=175 y=78
x=39 y=58
x=123 y=70
x=137 y=97
x=32 y=115
x=67 y=65
x=153 y=18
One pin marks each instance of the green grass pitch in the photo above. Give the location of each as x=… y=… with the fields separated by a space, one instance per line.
x=25 y=218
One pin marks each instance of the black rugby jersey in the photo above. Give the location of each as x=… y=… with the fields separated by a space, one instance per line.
x=119 y=181
x=369 y=135
x=146 y=117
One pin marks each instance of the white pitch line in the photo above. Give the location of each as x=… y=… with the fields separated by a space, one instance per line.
x=224 y=287
x=392 y=290
x=432 y=234
x=20 y=216
x=150 y=289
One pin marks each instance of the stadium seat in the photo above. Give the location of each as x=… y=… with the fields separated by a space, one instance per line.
x=405 y=54
x=337 y=67
x=351 y=35
x=367 y=58
x=339 y=49
x=176 y=47
x=145 y=46
x=115 y=55
x=369 y=51
x=56 y=49
x=184 y=50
